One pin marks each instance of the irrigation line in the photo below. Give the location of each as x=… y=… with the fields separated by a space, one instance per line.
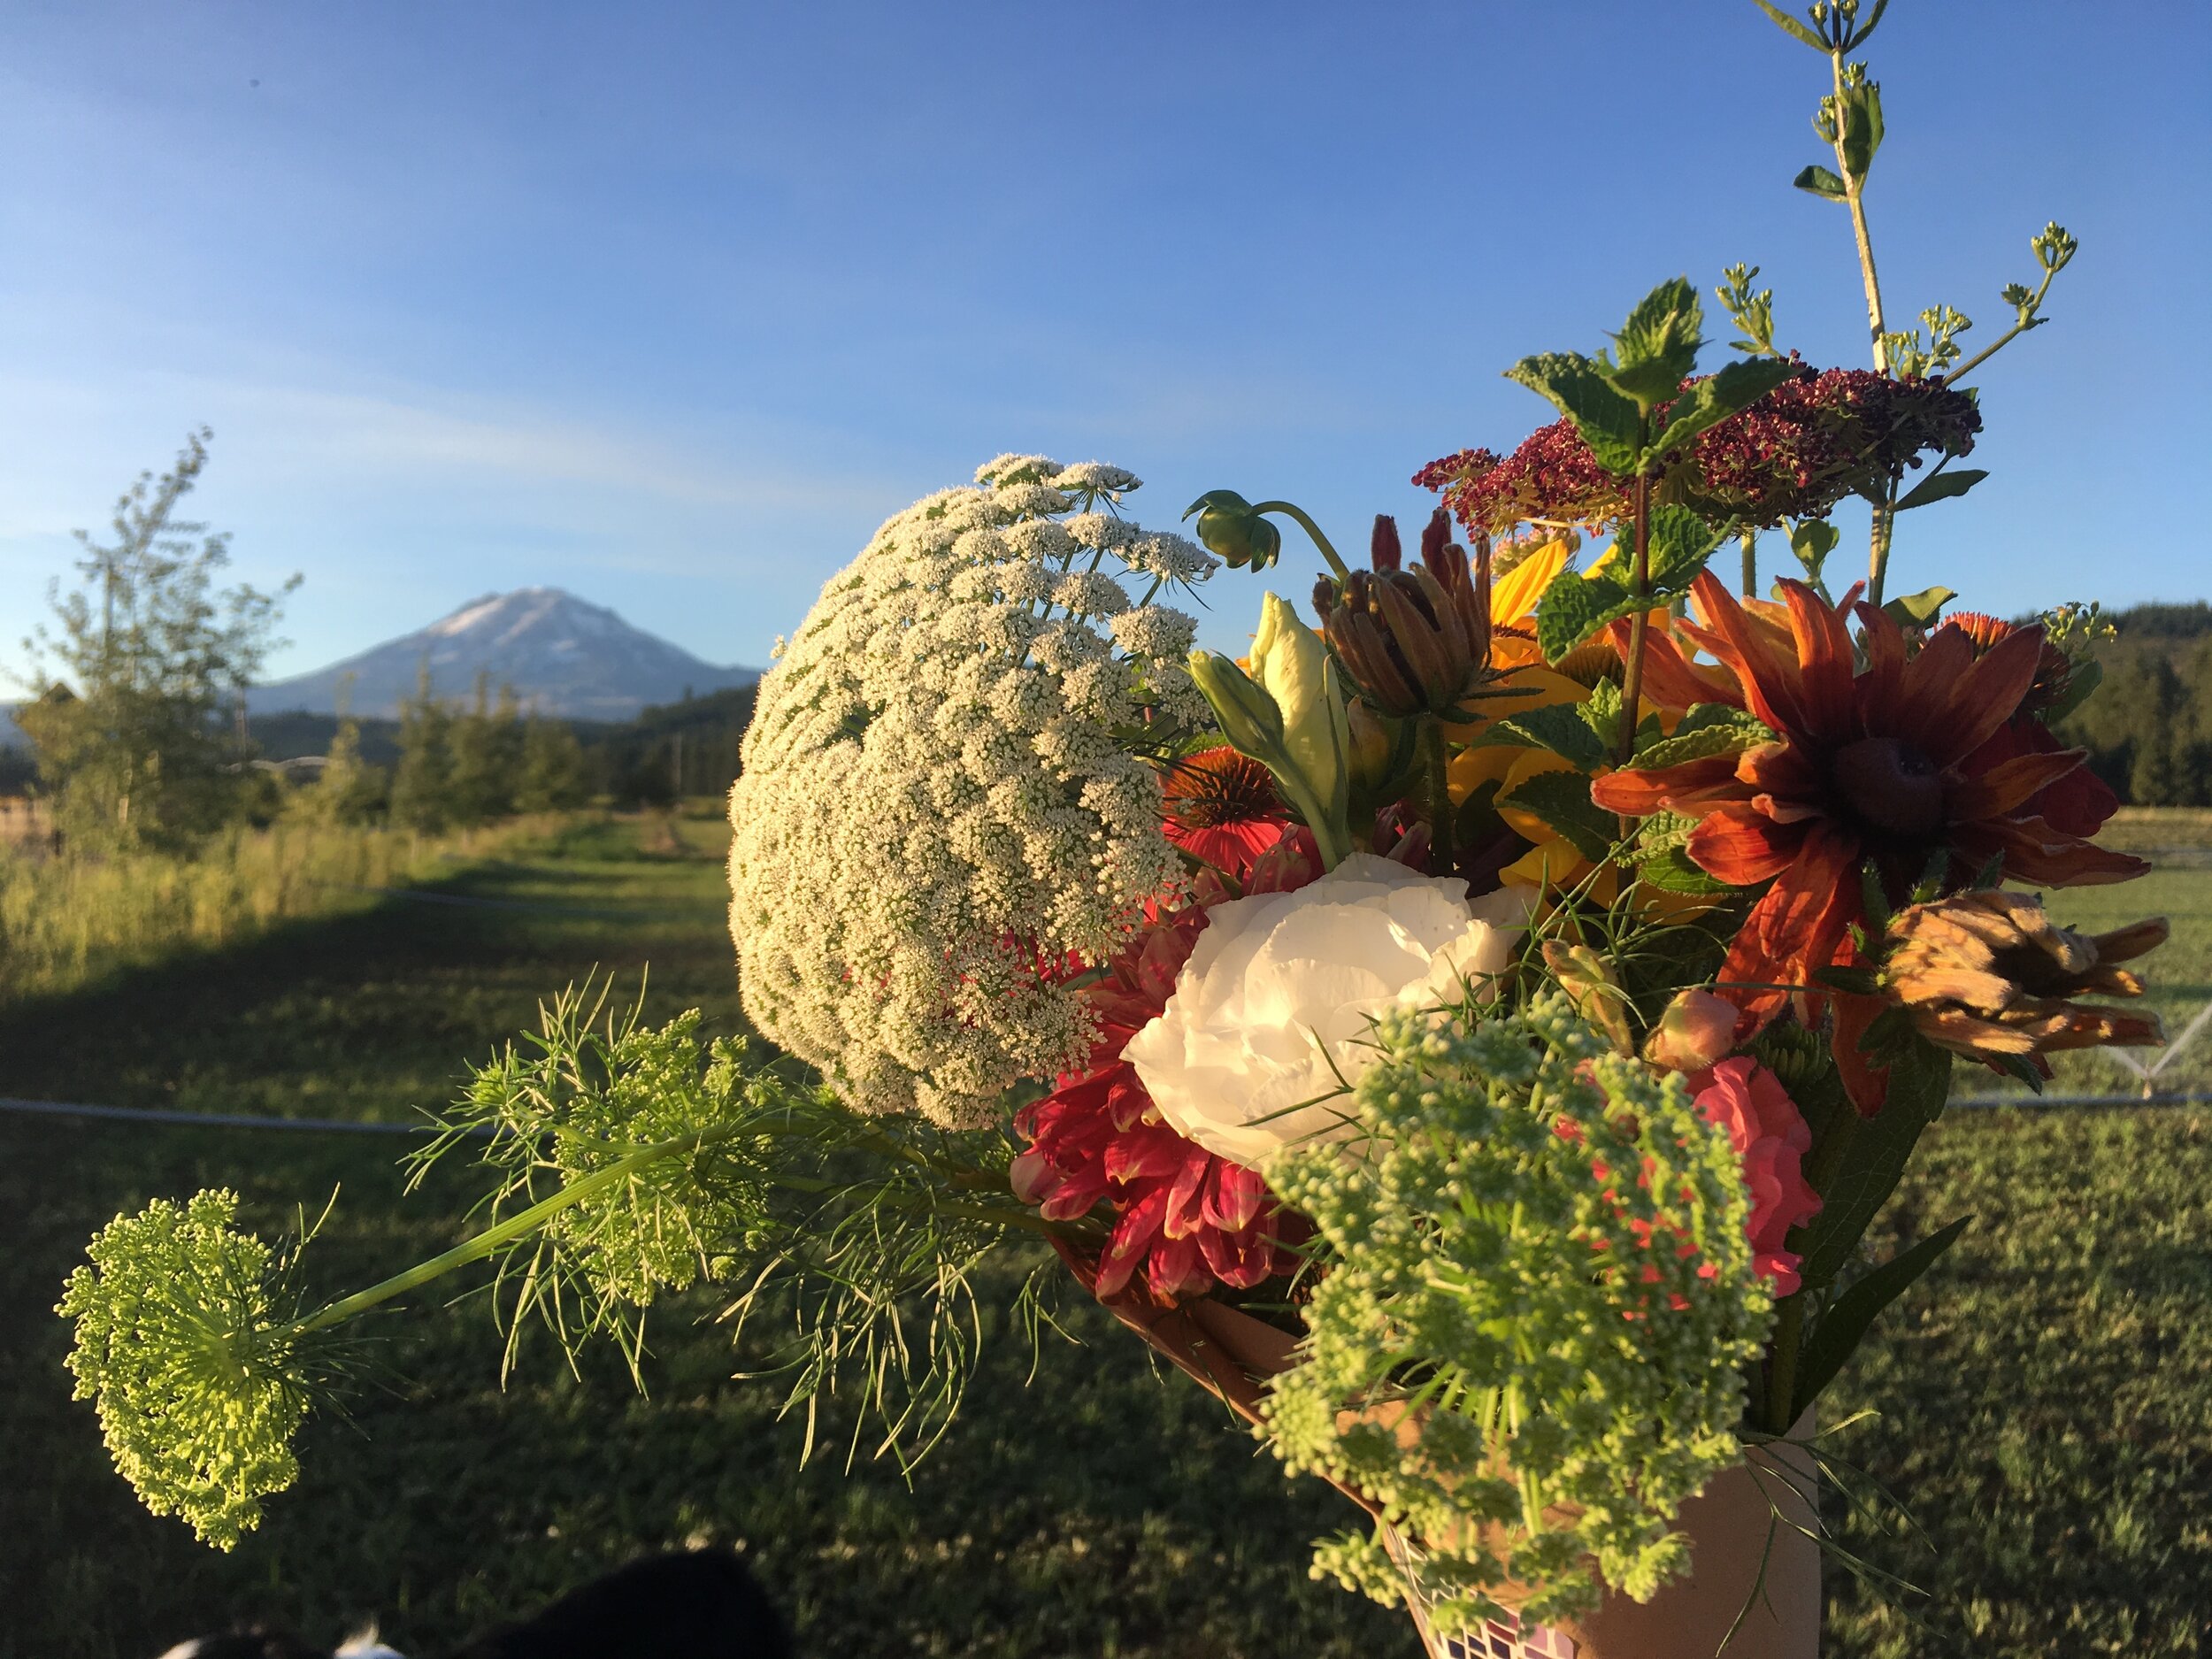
x=423 y=896
x=212 y=1120
x=2198 y=1099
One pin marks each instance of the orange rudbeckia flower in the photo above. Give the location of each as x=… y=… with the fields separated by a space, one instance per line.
x=1866 y=766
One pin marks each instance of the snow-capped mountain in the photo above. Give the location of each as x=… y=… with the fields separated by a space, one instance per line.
x=563 y=656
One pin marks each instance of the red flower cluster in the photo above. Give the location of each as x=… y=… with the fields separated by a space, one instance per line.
x=1796 y=452
x=1187 y=1219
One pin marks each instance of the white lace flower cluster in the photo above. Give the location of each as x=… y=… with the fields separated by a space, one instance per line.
x=939 y=798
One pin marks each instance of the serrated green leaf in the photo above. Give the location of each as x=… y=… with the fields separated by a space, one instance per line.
x=1918 y=610
x=1562 y=727
x=1576 y=606
x=1701 y=744
x=1700 y=716
x=1577 y=386
x=1713 y=399
x=1919 y=1082
x=1671 y=870
x=1802 y=30
x=1680 y=544
x=1941 y=487
x=1818 y=181
x=1561 y=799
x=1657 y=346
x=1851 y=1315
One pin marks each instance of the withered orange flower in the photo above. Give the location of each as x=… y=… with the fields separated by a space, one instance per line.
x=1866 y=765
x=1989 y=975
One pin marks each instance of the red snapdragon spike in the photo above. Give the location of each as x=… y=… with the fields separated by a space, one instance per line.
x=1887 y=763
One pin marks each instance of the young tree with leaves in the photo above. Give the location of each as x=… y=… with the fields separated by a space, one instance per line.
x=142 y=666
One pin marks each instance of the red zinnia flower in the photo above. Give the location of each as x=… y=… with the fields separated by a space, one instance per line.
x=1223 y=806
x=1185 y=1218
x=1869 y=765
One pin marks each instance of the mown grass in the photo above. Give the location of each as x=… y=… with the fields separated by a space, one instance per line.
x=2047 y=1401
x=67 y=921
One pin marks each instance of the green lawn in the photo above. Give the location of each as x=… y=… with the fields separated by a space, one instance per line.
x=2047 y=1402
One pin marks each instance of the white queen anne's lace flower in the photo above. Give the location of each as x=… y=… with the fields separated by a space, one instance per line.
x=933 y=801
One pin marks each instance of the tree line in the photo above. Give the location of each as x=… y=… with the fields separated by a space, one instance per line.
x=2148 y=727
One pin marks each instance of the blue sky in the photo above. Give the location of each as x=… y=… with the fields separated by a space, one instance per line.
x=670 y=305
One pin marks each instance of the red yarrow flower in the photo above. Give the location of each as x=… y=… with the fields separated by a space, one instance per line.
x=1869 y=765
x=1814 y=439
x=1184 y=1219
x=1770 y=1136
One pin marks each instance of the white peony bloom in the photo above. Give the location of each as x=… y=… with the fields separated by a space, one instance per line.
x=934 y=800
x=1270 y=1016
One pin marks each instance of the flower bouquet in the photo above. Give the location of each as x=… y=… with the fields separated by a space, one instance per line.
x=1470 y=1034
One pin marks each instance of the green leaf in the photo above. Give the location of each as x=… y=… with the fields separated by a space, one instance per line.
x=1941 y=487
x=1712 y=400
x=2084 y=679
x=1657 y=346
x=1918 y=610
x=1817 y=181
x=1802 y=31
x=1576 y=606
x=1561 y=728
x=1813 y=540
x=1577 y=386
x=1700 y=716
x=1851 y=1315
x=1561 y=799
x=1703 y=743
x=1680 y=544
x=1919 y=1082
x=1670 y=869
x=1861 y=114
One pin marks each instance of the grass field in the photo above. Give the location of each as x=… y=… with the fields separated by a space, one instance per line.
x=2046 y=1403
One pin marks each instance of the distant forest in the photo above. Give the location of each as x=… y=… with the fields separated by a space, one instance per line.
x=688 y=748
x=2148 y=727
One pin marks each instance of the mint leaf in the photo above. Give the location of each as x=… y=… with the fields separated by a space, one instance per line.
x=1576 y=606
x=1561 y=729
x=1680 y=542
x=1577 y=388
x=1657 y=345
x=1561 y=799
x=1713 y=399
x=1817 y=181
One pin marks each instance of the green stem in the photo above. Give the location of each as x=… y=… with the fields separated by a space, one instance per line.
x=1632 y=689
x=2035 y=306
x=1291 y=511
x=1436 y=758
x=1789 y=1330
x=516 y=1226
x=1853 y=190
x=1880 y=532
x=1750 y=543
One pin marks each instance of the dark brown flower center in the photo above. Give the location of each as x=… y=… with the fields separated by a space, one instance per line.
x=1891 y=785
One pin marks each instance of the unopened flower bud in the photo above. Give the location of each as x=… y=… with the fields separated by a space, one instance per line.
x=1435 y=535
x=1587 y=979
x=1416 y=641
x=1384 y=550
x=1370 y=749
x=1697 y=1030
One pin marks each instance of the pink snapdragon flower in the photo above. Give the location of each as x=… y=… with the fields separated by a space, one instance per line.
x=1771 y=1138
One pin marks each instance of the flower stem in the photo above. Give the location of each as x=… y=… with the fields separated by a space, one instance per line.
x=1436 y=758
x=1291 y=511
x=1632 y=689
x=1749 y=539
x=1882 y=530
x=1853 y=188
x=1789 y=1330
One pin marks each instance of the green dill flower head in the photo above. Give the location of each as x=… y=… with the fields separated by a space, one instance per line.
x=180 y=1348
x=1539 y=1296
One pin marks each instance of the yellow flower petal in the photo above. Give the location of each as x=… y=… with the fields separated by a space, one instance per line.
x=1513 y=599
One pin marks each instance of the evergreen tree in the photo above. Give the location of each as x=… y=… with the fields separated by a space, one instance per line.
x=552 y=778
x=486 y=758
x=422 y=781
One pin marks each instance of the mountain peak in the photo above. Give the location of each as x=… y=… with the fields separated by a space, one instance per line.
x=563 y=656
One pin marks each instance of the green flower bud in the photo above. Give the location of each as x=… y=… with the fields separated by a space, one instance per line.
x=1230 y=530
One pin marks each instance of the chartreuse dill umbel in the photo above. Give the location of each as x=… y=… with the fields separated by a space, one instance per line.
x=1472 y=1033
